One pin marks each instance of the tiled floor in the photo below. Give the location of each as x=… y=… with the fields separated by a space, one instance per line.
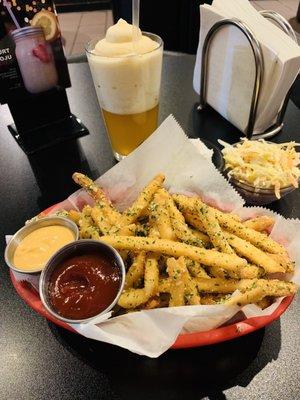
x=78 y=28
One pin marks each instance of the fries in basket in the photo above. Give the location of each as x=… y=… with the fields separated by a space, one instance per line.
x=180 y=251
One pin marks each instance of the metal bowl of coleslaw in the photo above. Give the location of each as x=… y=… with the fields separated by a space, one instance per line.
x=258 y=196
x=248 y=178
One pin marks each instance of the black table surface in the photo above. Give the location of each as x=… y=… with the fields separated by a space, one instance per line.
x=39 y=360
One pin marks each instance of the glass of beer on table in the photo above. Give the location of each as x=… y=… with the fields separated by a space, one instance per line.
x=126 y=70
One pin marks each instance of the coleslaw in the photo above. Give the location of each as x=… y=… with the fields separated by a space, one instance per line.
x=263 y=164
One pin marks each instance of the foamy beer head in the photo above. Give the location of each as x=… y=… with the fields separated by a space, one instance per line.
x=127 y=77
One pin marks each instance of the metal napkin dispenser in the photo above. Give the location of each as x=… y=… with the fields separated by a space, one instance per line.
x=259 y=69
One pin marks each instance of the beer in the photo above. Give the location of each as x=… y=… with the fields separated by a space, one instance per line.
x=127 y=132
x=127 y=77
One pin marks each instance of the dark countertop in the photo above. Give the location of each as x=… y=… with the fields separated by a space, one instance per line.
x=42 y=361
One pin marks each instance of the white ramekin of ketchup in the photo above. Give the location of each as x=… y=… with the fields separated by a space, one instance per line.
x=82 y=280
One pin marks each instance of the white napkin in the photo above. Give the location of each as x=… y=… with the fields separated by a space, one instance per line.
x=231 y=64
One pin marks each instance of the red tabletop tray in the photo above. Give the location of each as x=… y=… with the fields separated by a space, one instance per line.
x=31 y=297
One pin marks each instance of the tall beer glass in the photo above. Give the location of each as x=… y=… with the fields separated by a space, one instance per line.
x=128 y=88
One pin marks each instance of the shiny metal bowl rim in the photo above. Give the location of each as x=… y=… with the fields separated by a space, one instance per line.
x=256 y=189
x=49 y=265
x=30 y=227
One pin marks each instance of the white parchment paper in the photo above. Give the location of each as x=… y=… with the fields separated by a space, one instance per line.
x=169 y=151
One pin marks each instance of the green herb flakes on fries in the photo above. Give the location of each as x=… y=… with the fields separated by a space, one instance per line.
x=179 y=251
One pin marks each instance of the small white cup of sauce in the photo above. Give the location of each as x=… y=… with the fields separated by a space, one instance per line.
x=32 y=246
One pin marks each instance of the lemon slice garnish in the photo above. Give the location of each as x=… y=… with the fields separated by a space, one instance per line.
x=48 y=22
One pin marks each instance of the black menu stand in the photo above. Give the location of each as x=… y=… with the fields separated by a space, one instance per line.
x=44 y=120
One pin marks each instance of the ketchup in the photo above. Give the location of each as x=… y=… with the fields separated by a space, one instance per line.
x=83 y=286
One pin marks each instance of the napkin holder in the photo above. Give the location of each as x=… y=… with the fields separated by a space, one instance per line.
x=259 y=70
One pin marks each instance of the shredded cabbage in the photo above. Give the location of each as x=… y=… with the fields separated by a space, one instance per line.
x=263 y=164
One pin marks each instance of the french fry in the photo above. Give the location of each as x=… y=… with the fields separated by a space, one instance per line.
x=75 y=216
x=248 y=297
x=127 y=230
x=188 y=204
x=175 y=249
x=201 y=236
x=86 y=228
x=271 y=287
x=251 y=272
x=217 y=285
x=218 y=272
x=154 y=232
x=260 y=224
x=164 y=285
x=153 y=228
x=185 y=203
x=181 y=286
x=277 y=288
x=213 y=229
x=191 y=295
x=258 y=239
x=160 y=215
x=253 y=254
x=151 y=276
x=194 y=220
x=284 y=261
x=154 y=302
x=195 y=269
x=229 y=222
x=260 y=290
x=247 y=272
x=88 y=231
x=141 y=203
x=136 y=271
x=100 y=220
x=177 y=283
x=98 y=195
x=86 y=211
x=132 y=298
x=190 y=291
x=212 y=298
x=181 y=229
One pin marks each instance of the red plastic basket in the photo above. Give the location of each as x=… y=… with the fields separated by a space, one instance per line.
x=31 y=297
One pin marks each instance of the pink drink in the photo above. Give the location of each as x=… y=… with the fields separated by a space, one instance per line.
x=35 y=59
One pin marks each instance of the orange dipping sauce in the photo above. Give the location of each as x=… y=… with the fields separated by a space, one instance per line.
x=37 y=247
x=83 y=286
